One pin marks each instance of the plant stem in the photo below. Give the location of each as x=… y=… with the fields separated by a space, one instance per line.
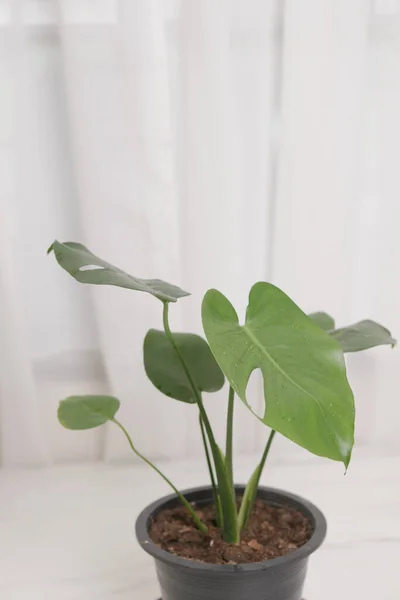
x=201 y=526
x=231 y=532
x=266 y=451
x=229 y=435
x=252 y=487
x=217 y=502
x=195 y=390
x=260 y=470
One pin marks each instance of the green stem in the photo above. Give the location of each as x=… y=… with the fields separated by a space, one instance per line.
x=228 y=502
x=266 y=451
x=217 y=502
x=259 y=473
x=229 y=435
x=250 y=493
x=201 y=526
x=188 y=374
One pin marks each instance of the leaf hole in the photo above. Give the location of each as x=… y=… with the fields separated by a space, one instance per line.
x=254 y=393
x=91 y=268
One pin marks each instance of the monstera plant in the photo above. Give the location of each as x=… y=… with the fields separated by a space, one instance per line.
x=307 y=396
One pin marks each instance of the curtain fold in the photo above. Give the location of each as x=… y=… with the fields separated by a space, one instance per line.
x=20 y=426
x=320 y=202
x=210 y=144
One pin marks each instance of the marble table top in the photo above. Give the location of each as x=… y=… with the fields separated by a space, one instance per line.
x=66 y=533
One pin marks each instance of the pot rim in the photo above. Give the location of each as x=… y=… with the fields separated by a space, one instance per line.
x=307 y=508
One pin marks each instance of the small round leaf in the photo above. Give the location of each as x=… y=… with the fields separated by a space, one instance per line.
x=86 y=412
x=165 y=371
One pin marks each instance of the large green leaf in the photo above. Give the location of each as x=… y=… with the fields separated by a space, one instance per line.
x=362 y=335
x=85 y=267
x=323 y=320
x=307 y=395
x=165 y=370
x=86 y=412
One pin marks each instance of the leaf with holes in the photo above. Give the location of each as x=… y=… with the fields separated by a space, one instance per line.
x=307 y=395
x=87 y=412
x=362 y=335
x=323 y=320
x=165 y=370
x=85 y=267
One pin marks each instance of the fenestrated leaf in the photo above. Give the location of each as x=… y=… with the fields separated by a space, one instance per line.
x=86 y=412
x=307 y=395
x=362 y=335
x=323 y=320
x=85 y=267
x=165 y=371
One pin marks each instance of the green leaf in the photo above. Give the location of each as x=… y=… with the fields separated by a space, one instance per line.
x=165 y=370
x=323 y=320
x=362 y=335
x=307 y=395
x=354 y=338
x=249 y=497
x=85 y=267
x=86 y=412
x=231 y=532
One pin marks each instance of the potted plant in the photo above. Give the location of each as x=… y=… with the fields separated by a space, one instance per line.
x=228 y=541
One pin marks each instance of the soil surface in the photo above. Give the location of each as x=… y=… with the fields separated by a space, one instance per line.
x=272 y=531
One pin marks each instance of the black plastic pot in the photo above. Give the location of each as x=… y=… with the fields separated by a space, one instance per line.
x=276 y=579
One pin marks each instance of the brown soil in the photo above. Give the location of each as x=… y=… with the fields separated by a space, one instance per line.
x=272 y=532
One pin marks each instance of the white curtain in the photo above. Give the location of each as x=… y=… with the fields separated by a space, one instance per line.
x=210 y=144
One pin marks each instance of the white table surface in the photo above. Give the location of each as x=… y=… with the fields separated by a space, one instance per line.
x=66 y=533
